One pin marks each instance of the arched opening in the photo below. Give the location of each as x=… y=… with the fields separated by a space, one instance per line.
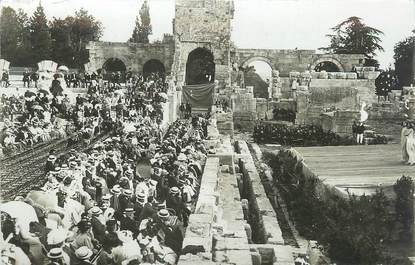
x=258 y=74
x=327 y=66
x=154 y=66
x=114 y=66
x=200 y=67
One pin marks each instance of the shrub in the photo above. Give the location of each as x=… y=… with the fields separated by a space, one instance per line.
x=351 y=229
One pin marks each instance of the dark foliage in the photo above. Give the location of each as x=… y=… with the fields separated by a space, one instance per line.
x=404 y=57
x=404 y=189
x=351 y=230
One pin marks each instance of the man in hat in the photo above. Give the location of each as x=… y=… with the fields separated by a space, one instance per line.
x=127 y=222
x=175 y=202
x=172 y=229
x=98 y=227
x=126 y=200
x=83 y=255
x=55 y=256
x=56 y=239
x=50 y=163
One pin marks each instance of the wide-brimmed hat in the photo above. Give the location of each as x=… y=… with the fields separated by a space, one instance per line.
x=182 y=157
x=55 y=253
x=58 y=236
x=129 y=211
x=51 y=158
x=141 y=197
x=163 y=214
x=174 y=190
x=95 y=211
x=116 y=190
x=83 y=253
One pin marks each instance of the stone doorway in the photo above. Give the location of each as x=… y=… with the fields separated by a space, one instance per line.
x=200 y=67
x=258 y=74
x=154 y=66
x=112 y=66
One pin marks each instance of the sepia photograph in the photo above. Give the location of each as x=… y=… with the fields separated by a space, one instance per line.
x=187 y=132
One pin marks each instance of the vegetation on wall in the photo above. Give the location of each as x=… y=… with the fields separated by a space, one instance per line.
x=351 y=229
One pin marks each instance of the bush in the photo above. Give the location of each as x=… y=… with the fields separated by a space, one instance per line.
x=351 y=229
x=404 y=190
x=302 y=135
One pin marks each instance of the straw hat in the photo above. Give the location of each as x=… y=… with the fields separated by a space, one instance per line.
x=83 y=253
x=163 y=214
x=55 y=253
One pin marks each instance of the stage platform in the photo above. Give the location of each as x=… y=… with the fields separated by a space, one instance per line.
x=357 y=166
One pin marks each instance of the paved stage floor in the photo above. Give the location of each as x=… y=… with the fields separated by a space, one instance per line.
x=363 y=165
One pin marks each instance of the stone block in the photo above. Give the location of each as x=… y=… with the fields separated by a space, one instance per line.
x=351 y=75
x=272 y=229
x=239 y=257
x=323 y=75
x=190 y=259
x=224 y=243
x=256 y=258
x=283 y=255
x=196 y=245
x=199 y=228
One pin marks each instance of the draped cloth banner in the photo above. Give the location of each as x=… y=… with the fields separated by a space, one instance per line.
x=199 y=95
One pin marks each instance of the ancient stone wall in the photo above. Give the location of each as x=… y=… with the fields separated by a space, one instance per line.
x=286 y=61
x=205 y=24
x=133 y=55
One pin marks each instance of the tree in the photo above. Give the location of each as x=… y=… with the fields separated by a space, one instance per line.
x=352 y=36
x=85 y=28
x=9 y=33
x=60 y=31
x=40 y=36
x=404 y=58
x=24 y=54
x=385 y=83
x=143 y=28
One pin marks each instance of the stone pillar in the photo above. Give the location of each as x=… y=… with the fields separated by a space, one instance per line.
x=411 y=107
x=276 y=85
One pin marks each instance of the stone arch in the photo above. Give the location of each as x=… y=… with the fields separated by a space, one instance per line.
x=258 y=58
x=154 y=66
x=261 y=88
x=330 y=60
x=200 y=67
x=112 y=65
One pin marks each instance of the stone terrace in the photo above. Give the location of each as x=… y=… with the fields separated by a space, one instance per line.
x=233 y=222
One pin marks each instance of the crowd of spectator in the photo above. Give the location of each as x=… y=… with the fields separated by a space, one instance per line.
x=126 y=200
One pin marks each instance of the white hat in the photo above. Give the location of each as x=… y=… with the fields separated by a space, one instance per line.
x=55 y=253
x=83 y=253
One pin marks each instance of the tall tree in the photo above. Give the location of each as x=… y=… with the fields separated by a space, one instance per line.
x=85 y=28
x=352 y=36
x=40 y=36
x=405 y=60
x=143 y=28
x=24 y=54
x=9 y=33
x=60 y=31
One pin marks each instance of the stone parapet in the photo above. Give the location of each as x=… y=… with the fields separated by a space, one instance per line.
x=199 y=234
x=268 y=228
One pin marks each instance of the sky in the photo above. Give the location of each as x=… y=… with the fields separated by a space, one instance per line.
x=275 y=24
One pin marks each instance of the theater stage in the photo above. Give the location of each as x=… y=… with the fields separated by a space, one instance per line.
x=357 y=166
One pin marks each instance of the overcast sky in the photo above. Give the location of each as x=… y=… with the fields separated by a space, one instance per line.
x=278 y=24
